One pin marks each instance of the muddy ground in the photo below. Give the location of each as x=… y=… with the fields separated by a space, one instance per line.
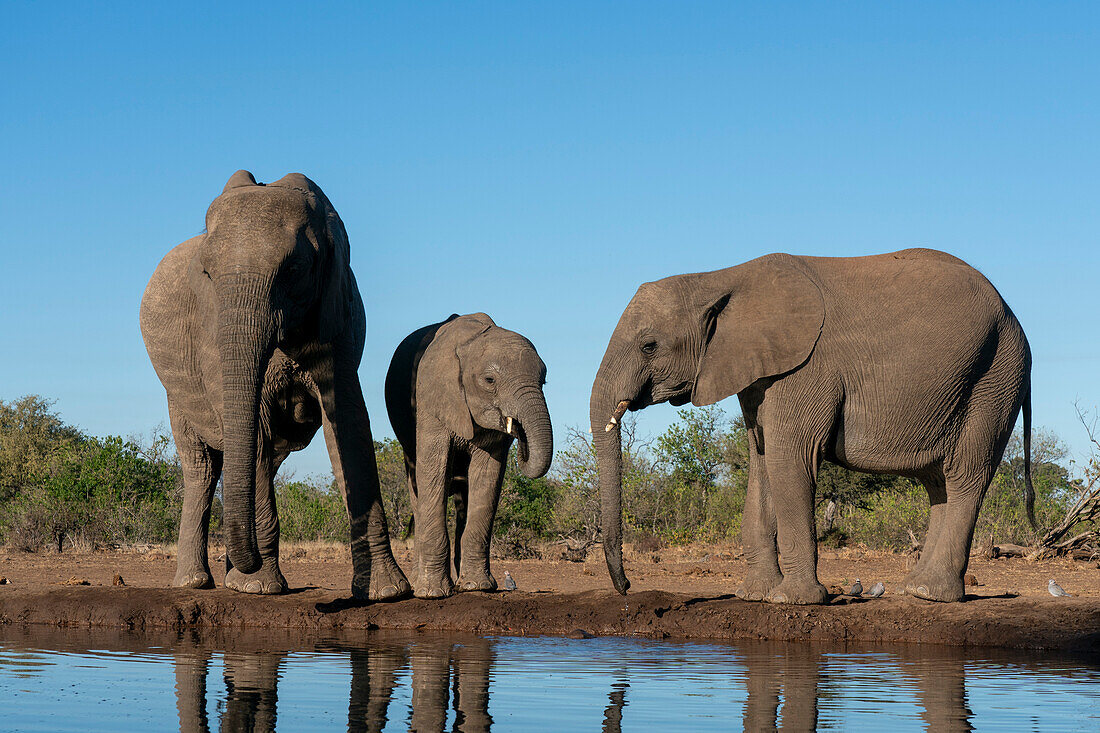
x=681 y=592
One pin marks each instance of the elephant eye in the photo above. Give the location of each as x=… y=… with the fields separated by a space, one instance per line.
x=490 y=380
x=649 y=347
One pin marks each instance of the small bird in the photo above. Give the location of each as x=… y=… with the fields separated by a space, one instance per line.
x=857 y=589
x=876 y=590
x=1056 y=590
x=509 y=581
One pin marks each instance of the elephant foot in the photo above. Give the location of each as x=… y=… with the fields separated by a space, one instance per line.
x=800 y=592
x=484 y=582
x=930 y=588
x=435 y=588
x=757 y=586
x=387 y=583
x=198 y=579
x=267 y=581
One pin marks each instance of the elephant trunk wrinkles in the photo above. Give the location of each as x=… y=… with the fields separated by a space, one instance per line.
x=609 y=458
x=535 y=419
x=244 y=339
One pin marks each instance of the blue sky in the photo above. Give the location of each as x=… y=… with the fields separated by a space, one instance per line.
x=538 y=162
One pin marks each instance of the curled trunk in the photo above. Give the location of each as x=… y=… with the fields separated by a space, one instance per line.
x=539 y=437
x=244 y=343
x=609 y=457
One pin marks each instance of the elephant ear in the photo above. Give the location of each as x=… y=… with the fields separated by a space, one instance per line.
x=338 y=287
x=765 y=321
x=439 y=389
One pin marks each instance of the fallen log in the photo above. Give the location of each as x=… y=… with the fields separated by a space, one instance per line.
x=1010 y=550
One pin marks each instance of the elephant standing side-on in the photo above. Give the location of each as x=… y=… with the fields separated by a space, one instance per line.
x=256 y=329
x=458 y=393
x=908 y=363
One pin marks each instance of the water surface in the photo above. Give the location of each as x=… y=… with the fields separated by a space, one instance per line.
x=56 y=680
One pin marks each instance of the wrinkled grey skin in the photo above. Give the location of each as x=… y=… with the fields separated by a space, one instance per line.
x=450 y=392
x=907 y=363
x=256 y=328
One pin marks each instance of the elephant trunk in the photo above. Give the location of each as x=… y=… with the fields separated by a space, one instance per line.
x=606 y=397
x=244 y=340
x=538 y=438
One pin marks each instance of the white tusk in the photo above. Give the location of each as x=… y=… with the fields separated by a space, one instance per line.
x=508 y=426
x=620 y=409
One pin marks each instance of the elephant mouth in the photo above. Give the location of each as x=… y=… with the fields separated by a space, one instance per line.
x=678 y=395
x=513 y=427
x=681 y=394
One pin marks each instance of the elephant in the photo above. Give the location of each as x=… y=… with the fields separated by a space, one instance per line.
x=907 y=363
x=255 y=328
x=458 y=393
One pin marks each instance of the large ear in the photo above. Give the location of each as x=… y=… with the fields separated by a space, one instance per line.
x=439 y=376
x=338 y=287
x=763 y=321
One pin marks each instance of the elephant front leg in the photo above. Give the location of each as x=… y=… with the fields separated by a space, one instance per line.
x=433 y=549
x=201 y=467
x=375 y=573
x=485 y=478
x=791 y=487
x=268 y=580
x=758 y=532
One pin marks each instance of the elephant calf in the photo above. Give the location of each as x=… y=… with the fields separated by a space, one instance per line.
x=458 y=393
x=256 y=328
x=907 y=363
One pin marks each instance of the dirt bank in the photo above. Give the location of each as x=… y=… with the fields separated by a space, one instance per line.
x=680 y=593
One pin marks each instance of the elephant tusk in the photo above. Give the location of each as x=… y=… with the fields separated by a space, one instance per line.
x=616 y=416
x=510 y=428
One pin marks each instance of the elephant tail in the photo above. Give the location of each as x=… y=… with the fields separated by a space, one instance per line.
x=1029 y=498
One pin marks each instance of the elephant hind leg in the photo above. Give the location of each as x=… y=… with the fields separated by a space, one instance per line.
x=940 y=572
x=202 y=465
x=936 y=485
x=968 y=471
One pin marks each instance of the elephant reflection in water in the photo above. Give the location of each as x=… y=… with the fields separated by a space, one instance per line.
x=794 y=673
x=616 y=701
x=251 y=680
x=432 y=663
x=437 y=667
x=940 y=678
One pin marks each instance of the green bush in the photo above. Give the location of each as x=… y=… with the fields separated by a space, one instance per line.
x=311 y=511
x=72 y=489
x=60 y=488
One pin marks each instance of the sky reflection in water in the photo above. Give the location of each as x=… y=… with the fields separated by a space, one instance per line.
x=68 y=680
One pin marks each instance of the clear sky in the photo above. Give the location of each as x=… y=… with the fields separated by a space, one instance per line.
x=538 y=162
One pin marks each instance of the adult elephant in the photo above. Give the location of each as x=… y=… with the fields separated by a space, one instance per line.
x=458 y=393
x=256 y=328
x=907 y=363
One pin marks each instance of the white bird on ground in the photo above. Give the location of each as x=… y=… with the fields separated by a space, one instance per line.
x=876 y=590
x=1056 y=590
x=509 y=581
x=857 y=589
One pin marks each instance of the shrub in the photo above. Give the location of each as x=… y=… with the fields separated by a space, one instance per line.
x=310 y=511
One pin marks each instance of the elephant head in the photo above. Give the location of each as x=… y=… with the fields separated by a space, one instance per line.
x=700 y=338
x=273 y=266
x=475 y=373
